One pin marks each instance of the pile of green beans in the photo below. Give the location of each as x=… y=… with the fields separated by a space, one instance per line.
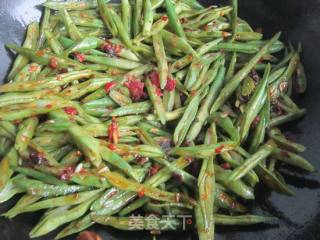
x=157 y=106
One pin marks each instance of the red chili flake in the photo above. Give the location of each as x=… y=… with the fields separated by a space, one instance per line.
x=225 y=166
x=66 y=173
x=113 y=131
x=110 y=48
x=53 y=63
x=183 y=20
x=158 y=92
x=63 y=70
x=141 y=194
x=277 y=109
x=164 y=18
x=205 y=27
x=37 y=158
x=218 y=150
x=155 y=79
x=225 y=34
x=112 y=146
x=88 y=235
x=193 y=92
x=40 y=53
x=171 y=84
x=141 y=160
x=17 y=122
x=109 y=86
x=255 y=122
x=153 y=170
x=49 y=105
x=71 y=110
x=255 y=76
x=80 y=57
x=33 y=68
x=178 y=177
x=136 y=89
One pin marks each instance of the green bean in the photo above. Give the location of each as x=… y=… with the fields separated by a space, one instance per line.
x=55 y=45
x=203 y=151
x=23 y=202
x=272 y=181
x=293 y=159
x=173 y=41
x=113 y=62
x=44 y=58
x=71 y=5
x=10 y=159
x=281 y=140
x=9 y=190
x=206 y=103
x=106 y=17
x=49 y=223
x=147 y=17
x=242 y=220
x=134 y=108
x=72 y=199
x=73 y=31
x=254 y=105
x=161 y=58
x=38 y=188
x=186 y=121
x=88 y=144
x=288 y=117
x=75 y=226
x=30 y=42
x=173 y=19
x=238 y=187
x=262 y=153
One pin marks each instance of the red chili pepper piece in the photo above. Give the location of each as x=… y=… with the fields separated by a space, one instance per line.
x=171 y=84
x=112 y=146
x=159 y=92
x=53 y=63
x=225 y=166
x=109 y=86
x=113 y=131
x=49 y=106
x=153 y=170
x=255 y=122
x=112 y=49
x=141 y=194
x=155 y=79
x=218 y=150
x=136 y=89
x=71 y=110
x=67 y=173
x=88 y=235
x=164 y=18
x=33 y=68
x=80 y=57
x=40 y=53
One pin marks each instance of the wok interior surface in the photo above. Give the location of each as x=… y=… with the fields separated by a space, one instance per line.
x=298 y=215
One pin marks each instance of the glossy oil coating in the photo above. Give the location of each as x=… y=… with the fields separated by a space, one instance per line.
x=299 y=216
